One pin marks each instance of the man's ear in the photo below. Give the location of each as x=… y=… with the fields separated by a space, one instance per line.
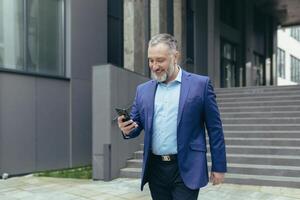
x=177 y=57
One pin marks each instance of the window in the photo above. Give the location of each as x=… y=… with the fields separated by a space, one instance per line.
x=281 y=63
x=295 y=33
x=32 y=36
x=1 y=21
x=228 y=64
x=295 y=69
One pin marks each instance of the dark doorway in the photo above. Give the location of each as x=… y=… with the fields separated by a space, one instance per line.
x=228 y=64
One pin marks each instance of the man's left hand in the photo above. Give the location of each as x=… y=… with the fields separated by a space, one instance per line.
x=217 y=178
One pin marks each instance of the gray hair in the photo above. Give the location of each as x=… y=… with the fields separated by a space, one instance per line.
x=164 y=38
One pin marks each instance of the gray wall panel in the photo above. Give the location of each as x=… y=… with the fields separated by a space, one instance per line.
x=34 y=123
x=101 y=119
x=81 y=122
x=52 y=124
x=88 y=36
x=17 y=123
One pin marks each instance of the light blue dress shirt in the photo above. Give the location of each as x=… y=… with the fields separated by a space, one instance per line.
x=166 y=103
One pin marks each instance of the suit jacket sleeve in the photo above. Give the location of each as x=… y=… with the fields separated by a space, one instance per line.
x=135 y=116
x=214 y=130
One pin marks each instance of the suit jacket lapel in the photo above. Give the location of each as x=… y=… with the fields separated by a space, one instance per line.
x=184 y=90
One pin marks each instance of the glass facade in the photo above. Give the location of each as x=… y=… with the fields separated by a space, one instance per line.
x=12 y=34
x=295 y=69
x=295 y=33
x=1 y=22
x=228 y=64
x=32 y=36
x=281 y=63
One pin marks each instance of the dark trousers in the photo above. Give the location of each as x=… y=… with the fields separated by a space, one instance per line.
x=165 y=182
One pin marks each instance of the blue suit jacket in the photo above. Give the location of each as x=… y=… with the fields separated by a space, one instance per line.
x=197 y=110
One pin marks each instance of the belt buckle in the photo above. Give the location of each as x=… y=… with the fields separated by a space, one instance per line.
x=166 y=158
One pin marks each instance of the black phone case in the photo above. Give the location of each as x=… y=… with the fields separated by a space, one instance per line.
x=124 y=112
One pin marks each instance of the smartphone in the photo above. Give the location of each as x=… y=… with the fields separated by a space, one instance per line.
x=124 y=112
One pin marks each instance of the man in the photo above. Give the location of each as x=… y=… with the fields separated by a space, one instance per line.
x=174 y=109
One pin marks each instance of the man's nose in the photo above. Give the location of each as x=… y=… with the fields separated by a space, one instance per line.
x=155 y=66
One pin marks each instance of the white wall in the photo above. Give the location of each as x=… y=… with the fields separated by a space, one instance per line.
x=291 y=47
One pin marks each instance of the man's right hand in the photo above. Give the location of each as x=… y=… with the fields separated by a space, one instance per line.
x=126 y=127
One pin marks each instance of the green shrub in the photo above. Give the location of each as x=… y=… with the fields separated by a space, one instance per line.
x=84 y=172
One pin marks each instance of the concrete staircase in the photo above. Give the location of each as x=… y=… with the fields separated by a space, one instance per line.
x=262 y=133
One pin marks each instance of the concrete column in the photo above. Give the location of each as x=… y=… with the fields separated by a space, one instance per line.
x=134 y=36
x=249 y=43
x=179 y=11
x=213 y=39
x=158 y=16
x=274 y=64
x=201 y=37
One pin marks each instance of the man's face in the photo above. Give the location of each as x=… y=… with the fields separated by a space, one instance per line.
x=161 y=62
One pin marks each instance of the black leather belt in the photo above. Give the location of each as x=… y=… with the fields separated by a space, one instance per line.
x=165 y=158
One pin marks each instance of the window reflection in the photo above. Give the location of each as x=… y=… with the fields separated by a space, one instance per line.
x=37 y=47
x=12 y=34
x=228 y=64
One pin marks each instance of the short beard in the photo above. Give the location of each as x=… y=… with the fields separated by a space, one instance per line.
x=170 y=71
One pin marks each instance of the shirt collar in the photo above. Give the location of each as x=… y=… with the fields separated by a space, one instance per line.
x=179 y=75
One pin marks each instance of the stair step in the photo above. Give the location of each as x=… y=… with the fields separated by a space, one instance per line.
x=268 y=170
x=258 y=98
x=135 y=163
x=293 y=160
x=138 y=155
x=264 y=108
x=260 y=103
x=249 y=133
x=282 y=160
x=263 y=141
x=247 y=179
x=261 y=115
x=273 y=120
x=256 y=89
x=131 y=173
x=251 y=93
x=261 y=127
x=270 y=150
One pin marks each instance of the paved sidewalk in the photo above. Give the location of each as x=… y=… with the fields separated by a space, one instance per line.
x=40 y=188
